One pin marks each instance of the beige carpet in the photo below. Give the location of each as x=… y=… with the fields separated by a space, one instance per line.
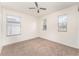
x=38 y=47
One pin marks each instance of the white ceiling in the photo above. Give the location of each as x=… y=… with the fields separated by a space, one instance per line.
x=51 y=6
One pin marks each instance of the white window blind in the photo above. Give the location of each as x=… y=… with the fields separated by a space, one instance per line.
x=62 y=23
x=13 y=25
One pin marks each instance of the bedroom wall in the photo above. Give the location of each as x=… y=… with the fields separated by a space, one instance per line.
x=78 y=27
x=0 y=28
x=28 y=27
x=69 y=38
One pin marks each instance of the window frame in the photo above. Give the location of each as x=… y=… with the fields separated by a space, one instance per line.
x=66 y=24
x=44 y=24
x=13 y=22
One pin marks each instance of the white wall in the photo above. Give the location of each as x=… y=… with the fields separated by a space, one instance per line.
x=78 y=27
x=70 y=37
x=0 y=28
x=28 y=27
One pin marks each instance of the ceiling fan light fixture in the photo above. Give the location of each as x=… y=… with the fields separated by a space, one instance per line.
x=37 y=7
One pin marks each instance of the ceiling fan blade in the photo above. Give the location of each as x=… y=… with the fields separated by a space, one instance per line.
x=43 y=8
x=37 y=11
x=36 y=4
x=31 y=8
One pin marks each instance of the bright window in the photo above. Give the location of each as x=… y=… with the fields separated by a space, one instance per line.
x=13 y=25
x=44 y=25
x=62 y=23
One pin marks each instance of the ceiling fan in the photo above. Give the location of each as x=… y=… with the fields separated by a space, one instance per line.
x=37 y=7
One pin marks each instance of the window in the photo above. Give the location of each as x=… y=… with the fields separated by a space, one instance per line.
x=44 y=25
x=62 y=23
x=13 y=25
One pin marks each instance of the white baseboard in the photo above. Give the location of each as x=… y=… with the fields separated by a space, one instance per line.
x=76 y=47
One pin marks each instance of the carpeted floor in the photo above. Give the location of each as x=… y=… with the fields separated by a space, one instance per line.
x=38 y=47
